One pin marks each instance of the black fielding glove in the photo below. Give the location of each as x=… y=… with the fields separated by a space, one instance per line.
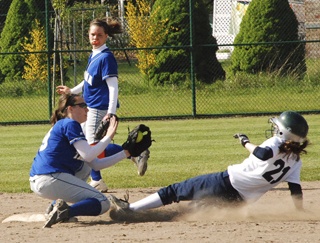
x=102 y=128
x=139 y=139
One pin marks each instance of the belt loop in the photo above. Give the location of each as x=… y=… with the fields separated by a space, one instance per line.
x=225 y=174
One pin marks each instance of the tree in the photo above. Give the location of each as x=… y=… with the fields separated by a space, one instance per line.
x=5 y=4
x=17 y=26
x=173 y=65
x=144 y=32
x=269 y=21
x=35 y=69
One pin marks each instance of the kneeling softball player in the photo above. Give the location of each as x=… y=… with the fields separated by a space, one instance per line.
x=65 y=159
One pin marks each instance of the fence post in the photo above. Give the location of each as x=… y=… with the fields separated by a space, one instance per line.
x=49 y=53
x=192 y=78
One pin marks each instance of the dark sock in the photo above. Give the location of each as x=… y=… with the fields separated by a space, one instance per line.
x=87 y=207
x=95 y=175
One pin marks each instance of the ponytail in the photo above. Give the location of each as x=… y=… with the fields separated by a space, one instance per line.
x=65 y=100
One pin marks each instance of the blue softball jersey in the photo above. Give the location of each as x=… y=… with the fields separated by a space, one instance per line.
x=57 y=153
x=95 y=90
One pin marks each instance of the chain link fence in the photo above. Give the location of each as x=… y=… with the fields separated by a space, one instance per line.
x=64 y=48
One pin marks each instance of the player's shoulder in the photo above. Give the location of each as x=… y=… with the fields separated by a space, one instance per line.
x=107 y=52
x=67 y=120
x=273 y=141
x=66 y=123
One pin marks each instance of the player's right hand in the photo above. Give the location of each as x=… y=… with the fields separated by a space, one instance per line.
x=62 y=89
x=113 y=125
x=243 y=138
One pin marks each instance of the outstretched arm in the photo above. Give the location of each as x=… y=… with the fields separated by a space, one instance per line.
x=89 y=153
x=250 y=147
x=99 y=164
x=62 y=89
x=245 y=142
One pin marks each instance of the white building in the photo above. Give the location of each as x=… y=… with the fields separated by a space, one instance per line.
x=227 y=16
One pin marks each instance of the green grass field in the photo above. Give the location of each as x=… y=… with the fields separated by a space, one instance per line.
x=182 y=149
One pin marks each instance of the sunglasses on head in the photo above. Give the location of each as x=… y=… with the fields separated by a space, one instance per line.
x=82 y=105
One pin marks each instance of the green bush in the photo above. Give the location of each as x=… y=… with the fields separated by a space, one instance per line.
x=269 y=21
x=23 y=88
x=177 y=61
x=17 y=26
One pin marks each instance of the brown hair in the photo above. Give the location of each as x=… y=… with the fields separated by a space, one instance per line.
x=290 y=147
x=65 y=100
x=110 y=25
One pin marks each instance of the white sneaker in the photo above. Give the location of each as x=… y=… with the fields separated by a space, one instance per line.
x=142 y=162
x=99 y=185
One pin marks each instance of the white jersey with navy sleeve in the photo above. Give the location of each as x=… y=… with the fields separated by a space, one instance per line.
x=100 y=67
x=264 y=169
x=57 y=153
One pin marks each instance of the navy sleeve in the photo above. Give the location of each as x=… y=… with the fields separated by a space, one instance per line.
x=263 y=153
x=295 y=189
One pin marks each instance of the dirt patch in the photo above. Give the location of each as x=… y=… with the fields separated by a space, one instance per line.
x=271 y=219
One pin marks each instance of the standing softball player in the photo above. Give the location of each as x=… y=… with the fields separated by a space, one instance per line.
x=274 y=161
x=64 y=160
x=100 y=90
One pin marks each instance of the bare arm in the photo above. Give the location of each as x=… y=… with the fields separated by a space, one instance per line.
x=62 y=89
x=250 y=147
x=245 y=142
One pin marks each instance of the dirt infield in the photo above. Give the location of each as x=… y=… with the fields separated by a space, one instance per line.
x=271 y=219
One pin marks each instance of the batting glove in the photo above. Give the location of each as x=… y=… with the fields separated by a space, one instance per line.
x=243 y=138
